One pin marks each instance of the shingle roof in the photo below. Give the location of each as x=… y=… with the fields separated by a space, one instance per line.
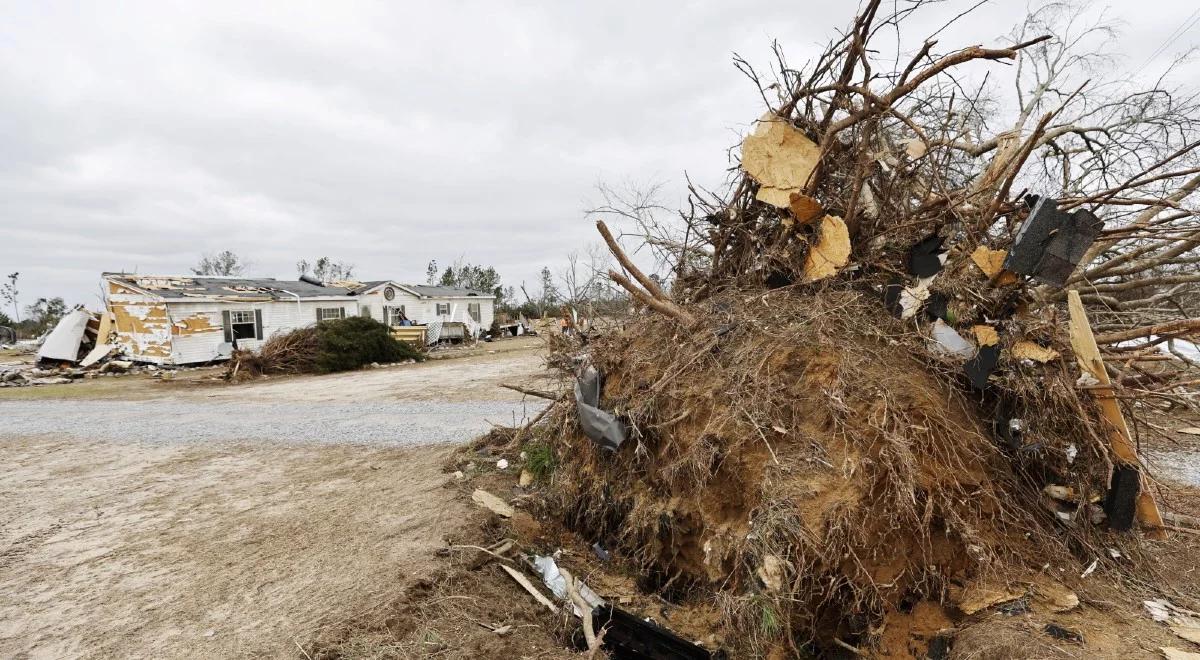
x=182 y=287
x=446 y=291
x=363 y=287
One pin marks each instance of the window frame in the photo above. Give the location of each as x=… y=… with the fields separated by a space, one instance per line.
x=475 y=311
x=234 y=322
x=439 y=309
x=340 y=313
x=392 y=311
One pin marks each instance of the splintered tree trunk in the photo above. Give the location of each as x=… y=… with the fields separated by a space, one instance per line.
x=1090 y=362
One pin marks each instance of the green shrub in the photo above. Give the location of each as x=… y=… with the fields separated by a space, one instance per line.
x=539 y=460
x=346 y=344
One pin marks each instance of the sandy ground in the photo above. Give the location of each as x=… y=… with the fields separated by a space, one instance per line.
x=112 y=546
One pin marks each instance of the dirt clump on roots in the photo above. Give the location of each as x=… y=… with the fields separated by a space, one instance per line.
x=818 y=478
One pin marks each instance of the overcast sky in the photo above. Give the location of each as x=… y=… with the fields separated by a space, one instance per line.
x=136 y=136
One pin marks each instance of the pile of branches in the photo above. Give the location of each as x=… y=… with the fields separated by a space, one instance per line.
x=858 y=387
x=329 y=346
x=286 y=353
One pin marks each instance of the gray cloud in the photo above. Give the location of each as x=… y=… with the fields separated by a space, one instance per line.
x=382 y=134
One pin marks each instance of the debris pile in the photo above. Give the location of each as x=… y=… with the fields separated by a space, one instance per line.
x=865 y=388
x=329 y=346
x=80 y=346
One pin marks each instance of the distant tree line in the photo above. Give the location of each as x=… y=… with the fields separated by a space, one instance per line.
x=39 y=318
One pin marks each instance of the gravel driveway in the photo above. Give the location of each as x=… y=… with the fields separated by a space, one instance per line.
x=403 y=423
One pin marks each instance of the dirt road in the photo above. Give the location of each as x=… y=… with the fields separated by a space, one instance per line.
x=117 y=540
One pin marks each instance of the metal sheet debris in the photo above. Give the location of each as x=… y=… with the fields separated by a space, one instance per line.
x=982 y=365
x=627 y=637
x=557 y=582
x=63 y=341
x=1050 y=243
x=926 y=257
x=98 y=353
x=602 y=427
x=948 y=341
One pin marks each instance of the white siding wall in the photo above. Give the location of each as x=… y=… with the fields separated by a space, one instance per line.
x=423 y=311
x=376 y=302
x=277 y=316
x=458 y=310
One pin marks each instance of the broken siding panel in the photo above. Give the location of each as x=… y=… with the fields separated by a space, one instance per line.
x=143 y=327
x=197 y=332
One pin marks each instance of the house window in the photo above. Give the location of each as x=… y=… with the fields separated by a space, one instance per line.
x=443 y=309
x=396 y=315
x=365 y=311
x=243 y=324
x=473 y=310
x=330 y=313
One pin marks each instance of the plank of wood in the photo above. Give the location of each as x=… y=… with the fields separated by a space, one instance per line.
x=524 y=582
x=1083 y=342
x=106 y=327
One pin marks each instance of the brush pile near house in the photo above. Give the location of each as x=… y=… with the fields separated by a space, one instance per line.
x=896 y=363
x=328 y=347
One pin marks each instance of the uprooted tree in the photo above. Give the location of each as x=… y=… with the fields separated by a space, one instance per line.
x=863 y=379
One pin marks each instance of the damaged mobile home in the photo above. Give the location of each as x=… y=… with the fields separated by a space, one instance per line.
x=174 y=320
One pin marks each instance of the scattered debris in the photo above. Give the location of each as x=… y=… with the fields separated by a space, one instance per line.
x=948 y=341
x=492 y=503
x=925 y=258
x=780 y=158
x=528 y=586
x=804 y=209
x=1090 y=569
x=985 y=335
x=626 y=637
x=831 y=251
x=980 y=367
x=991 y=263
x=600 y=552
x=1027 y=350
x=557 y=583
x=1067 y=635
x=980 y=596
x=63 y=342
x=1050 y=243
x=772 y=573
x=602 y=427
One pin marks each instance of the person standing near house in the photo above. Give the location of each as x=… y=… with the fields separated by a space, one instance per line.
x=564 y=323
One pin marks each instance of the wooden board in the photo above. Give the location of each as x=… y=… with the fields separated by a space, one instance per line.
x=1083 y=342
x=413 y=334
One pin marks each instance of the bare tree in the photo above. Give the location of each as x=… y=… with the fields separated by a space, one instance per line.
x=11 y=295
x=326 y=269
x=224 y=263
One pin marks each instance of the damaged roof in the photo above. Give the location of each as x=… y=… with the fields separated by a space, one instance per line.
x=423 y=290
x=177 y=287
x=429 y=291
